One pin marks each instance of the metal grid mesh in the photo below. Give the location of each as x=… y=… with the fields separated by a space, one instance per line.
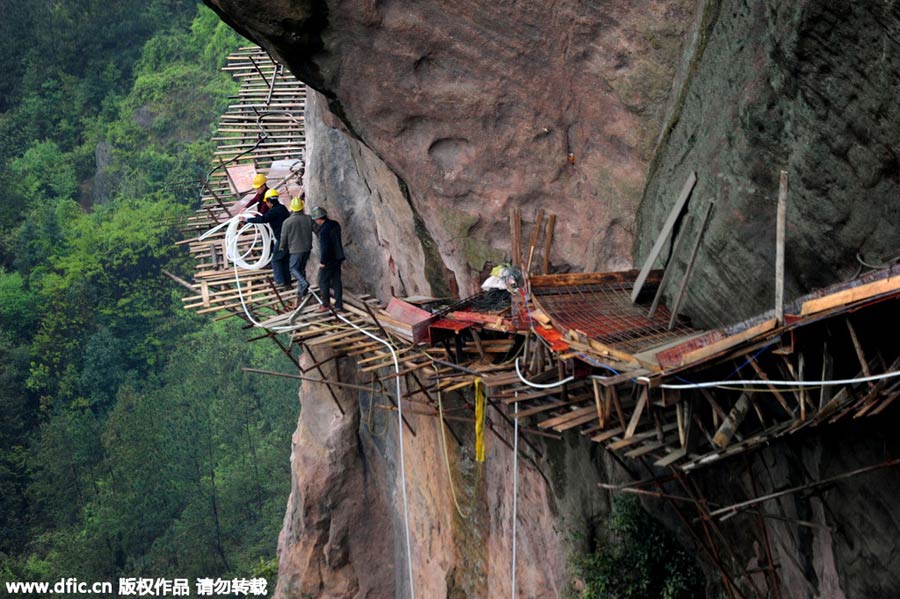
x=606 y=314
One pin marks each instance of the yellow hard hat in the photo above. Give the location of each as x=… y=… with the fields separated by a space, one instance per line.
x=272 y=193
x=259 y=180
x=297 y=204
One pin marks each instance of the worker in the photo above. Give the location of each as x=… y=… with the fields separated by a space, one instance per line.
x=275 y=215
x=296 y=238
x=331 y=255
x=259 y=184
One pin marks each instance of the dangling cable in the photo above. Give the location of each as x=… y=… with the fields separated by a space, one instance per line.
x=444 y=443
x=387 y=344
x=515 y=493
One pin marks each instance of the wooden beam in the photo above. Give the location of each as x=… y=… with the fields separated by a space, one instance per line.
x=781 y=216
x=690 y=268
x=636 y=415
x=535 y=233
x=720 y=346
x=670 y=266
x=664 y=234
x=730 y=425
x=591 y=278
x=548 y=241
x=849 y=296
x=515 y=224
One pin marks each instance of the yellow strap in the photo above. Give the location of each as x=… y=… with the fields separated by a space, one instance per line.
x=479 y=420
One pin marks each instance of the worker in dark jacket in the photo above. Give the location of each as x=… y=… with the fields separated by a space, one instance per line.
x=296 y=238
x=331 y=255
x=275 y=216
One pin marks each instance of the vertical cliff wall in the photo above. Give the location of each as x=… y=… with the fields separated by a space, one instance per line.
x=343 y=533
x=809 y=87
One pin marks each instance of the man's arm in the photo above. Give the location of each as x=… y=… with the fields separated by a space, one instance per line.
x=326 y=244
x=285 y=232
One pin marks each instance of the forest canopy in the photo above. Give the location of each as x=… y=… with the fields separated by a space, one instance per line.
x=131 y=443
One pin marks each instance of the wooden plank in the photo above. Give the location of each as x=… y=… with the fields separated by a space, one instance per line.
x=636 y=415
x=583 y=419
x=670 y=458
x=676 y=305
x=607 y=435
x=781 y=216
x=664 y=234
x=636 y=438
x=849 y=296
x=712 y=349
x=591 y=278
x=611 y=352
x=553 y=405
x=644 y=449
x=557 y=420
x=548 y=240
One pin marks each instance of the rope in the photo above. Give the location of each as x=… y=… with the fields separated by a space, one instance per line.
x=444 y=439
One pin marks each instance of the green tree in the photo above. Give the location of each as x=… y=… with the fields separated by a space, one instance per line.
x=640 y=560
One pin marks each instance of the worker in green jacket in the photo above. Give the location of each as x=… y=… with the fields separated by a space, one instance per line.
x=296 y=238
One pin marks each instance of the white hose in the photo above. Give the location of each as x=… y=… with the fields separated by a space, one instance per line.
x=761 y=383
x=262 y=235
x=541 y=386
x=515 y=494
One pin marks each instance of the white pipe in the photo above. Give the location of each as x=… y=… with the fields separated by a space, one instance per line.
x=515 y=494
x=541 y=386
x=761 y=383
x=412 y=589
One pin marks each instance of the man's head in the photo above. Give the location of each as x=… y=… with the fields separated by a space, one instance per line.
x=271 y=197
x=297 y=204
x=318 y=214
x=259 y=180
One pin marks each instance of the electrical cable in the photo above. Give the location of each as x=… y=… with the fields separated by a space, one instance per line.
x=515 y=493
x=707 y=384
x=541 y=385
x=444 y=442
x=387 y=344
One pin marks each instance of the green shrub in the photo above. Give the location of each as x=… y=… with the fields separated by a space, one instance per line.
x=642 y=560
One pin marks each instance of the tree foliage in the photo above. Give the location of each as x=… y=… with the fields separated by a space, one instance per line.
x=131 y=443
x=640 y=560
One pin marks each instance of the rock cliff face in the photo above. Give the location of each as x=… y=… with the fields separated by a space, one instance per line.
x=433 y=119
x=478 y=107
x=809 y=87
